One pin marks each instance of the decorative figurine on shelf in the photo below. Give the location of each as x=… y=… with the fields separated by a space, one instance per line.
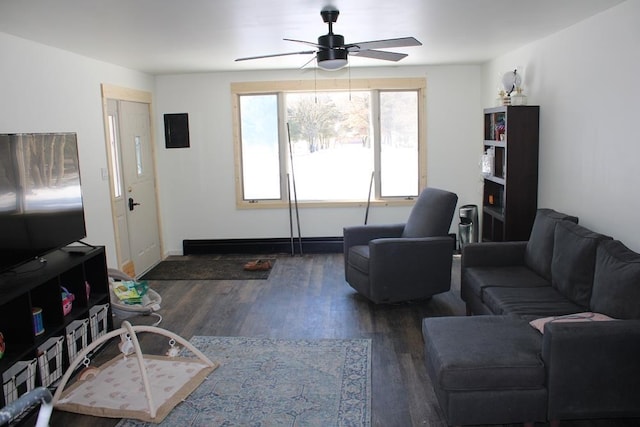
x=500 y=98
x=519 y=98
x=511 y=81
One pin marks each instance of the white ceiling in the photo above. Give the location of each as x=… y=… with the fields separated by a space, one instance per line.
x=183 y=36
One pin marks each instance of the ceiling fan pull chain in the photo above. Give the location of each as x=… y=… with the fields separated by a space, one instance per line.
x=349 y=82
x=315 y=83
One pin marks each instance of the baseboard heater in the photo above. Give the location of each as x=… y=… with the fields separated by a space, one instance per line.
x=262 y=246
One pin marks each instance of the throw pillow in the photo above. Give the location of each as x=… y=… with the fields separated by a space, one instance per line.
x=587 y=316
x=539 y=250
x=616 y=283
x=573 y=262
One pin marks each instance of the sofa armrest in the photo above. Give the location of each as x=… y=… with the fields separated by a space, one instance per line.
x=359 y=235
x=411 y=262
x=592 y=369
x=362 y=234
x=493 y=254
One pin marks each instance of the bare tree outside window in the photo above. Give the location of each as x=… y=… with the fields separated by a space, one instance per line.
x=337 y=141
x=329 y=135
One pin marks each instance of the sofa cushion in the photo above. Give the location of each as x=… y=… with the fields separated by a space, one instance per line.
x=573 y=262
x=483 y=353
x=539 y=249
x=616 y=283
x=519 y=276
x=529 y=303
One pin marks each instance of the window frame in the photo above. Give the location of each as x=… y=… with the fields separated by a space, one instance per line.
x=282 y=87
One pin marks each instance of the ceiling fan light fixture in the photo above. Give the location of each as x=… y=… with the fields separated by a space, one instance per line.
x=332 y=52
x=332 y=59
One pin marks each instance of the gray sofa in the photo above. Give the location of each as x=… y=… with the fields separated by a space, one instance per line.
x=498 y=368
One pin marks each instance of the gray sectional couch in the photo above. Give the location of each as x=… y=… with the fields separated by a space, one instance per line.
x=497 y=368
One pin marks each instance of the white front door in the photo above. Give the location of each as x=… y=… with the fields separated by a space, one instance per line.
x=139 y=192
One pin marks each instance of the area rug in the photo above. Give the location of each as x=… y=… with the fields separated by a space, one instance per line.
x=205 y=268
x=270 y=382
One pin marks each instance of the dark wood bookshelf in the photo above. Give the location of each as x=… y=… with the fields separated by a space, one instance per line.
x=510 y=190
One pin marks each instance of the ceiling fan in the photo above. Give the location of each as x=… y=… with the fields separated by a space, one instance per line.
x=332 y=52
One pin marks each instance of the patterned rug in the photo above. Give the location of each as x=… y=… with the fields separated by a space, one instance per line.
x=205 y=268
x=269 y=382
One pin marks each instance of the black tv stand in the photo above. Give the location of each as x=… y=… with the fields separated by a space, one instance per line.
x=38 y=285
x=25 y=267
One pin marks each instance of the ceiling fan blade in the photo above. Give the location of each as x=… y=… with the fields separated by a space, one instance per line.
x=383 y=44
x=309 y=61
x=305 y=52
x=304 y=42
x=379 y=54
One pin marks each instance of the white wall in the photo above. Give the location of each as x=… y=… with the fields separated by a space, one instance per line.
x=197 y=189
x=584 y=79
x=43 y=89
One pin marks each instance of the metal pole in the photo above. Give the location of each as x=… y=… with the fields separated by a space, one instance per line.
x=295 y=194
x=290 y=216
x=366 y=214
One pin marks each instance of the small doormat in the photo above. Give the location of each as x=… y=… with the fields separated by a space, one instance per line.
x=206 y=268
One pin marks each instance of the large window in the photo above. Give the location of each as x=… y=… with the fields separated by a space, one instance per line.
x=260 y=147
x=359 y=139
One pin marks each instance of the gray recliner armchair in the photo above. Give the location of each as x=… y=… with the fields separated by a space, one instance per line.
x=401 y=262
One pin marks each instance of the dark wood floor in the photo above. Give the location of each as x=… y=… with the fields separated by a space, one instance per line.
x=307 y=297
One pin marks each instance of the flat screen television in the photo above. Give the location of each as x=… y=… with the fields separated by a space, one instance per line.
x=40 y=195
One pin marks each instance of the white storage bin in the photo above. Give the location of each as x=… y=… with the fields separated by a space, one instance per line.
x=77 y=337
x=50 y=360
x=98 y=320
x=18 y=379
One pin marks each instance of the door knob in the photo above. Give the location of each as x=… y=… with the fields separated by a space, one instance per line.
x=132 y=203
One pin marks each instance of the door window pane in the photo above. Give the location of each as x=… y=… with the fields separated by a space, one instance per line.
x=331 y=144
x=138 y=145
x=399 y=174
x=115 y=157
x=260 y=151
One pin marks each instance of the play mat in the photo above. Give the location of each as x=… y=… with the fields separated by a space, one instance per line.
x=133 y=384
